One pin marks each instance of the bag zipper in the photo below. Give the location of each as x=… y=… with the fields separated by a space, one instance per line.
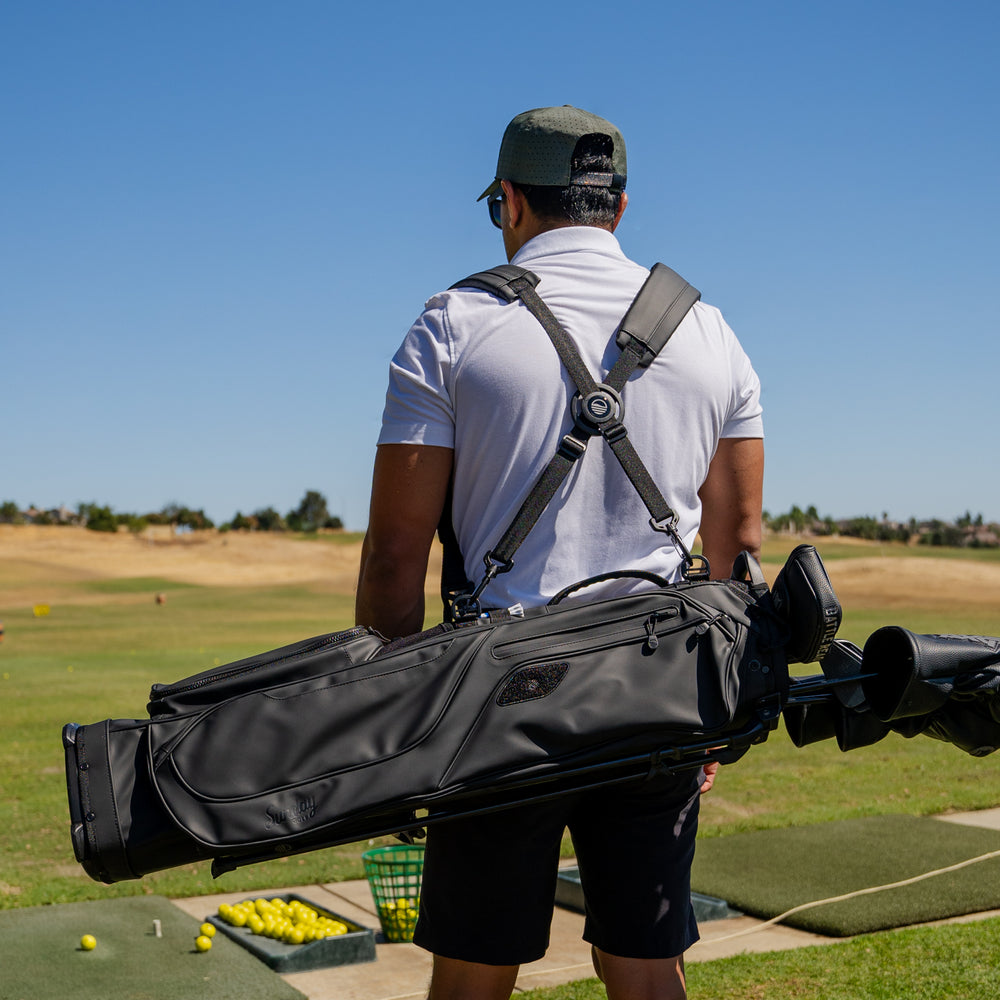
x=224 y=675
x=652 y=641
x=702 y=627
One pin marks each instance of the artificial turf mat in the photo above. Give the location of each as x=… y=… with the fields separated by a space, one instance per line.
x=41 y=957
x=768 y=872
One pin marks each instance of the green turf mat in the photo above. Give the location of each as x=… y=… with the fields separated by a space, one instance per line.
x=41 y=958
x=768 y=872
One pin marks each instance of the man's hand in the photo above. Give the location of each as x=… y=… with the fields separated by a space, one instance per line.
x=710 y=772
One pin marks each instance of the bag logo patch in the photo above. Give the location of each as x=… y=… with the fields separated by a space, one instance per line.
x=304 y=809
x=531 y=683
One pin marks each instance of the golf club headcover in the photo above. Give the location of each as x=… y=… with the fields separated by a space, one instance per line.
x=805 y=600
x=855 y=728
x=970 y=723
x=915 y=675
x=811 y=722
x=842 y=663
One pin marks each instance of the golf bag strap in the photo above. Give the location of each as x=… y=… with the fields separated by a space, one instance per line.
x=647 y=325
x=499 y=280
x=650 y=321
x=454 y=582
x=453 y=579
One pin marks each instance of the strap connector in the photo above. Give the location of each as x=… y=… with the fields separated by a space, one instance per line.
x=668 y=525
x=613 y=433
x=494 y=565
x=596 y=410
x=696 y=567
x=466 y=607
x=571 y=448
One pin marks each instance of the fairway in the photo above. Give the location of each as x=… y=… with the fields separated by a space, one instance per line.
x=106 y=640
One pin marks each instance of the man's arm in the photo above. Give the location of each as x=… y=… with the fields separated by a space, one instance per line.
x=732 y=500
x=409 y=486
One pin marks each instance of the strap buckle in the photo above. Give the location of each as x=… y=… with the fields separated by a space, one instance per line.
x=466 y=607
x=668 y=525
x=696 y=568
x=693 y=567
x=601 y=407
x=571 y=448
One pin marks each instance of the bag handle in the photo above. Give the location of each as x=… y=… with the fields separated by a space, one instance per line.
x=620 y=574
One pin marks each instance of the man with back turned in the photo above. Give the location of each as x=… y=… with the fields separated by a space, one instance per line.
x=478 y=397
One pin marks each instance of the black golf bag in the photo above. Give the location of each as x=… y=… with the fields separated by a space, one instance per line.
x=349 y=736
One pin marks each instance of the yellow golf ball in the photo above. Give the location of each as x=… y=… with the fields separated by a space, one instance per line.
x=202 y=943
x=207 y=929
x=88 y=942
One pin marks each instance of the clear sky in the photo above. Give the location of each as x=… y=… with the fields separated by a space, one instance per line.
x=218 y=219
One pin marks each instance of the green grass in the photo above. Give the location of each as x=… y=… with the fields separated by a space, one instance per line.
x=956 y=962
x=136 y=585
x=93 y=660
x=105 y=642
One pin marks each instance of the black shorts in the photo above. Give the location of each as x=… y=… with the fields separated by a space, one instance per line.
x=489 y=882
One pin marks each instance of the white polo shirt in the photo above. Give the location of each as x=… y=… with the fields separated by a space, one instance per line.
x=481 y=376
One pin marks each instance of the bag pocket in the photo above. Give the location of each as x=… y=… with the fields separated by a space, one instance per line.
x=298 y=732
x=320 y=654
x=638 y=688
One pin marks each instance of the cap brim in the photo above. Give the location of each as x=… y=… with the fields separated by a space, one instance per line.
x=492 y=189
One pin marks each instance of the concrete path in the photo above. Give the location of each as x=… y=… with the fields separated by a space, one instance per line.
x=402 y=971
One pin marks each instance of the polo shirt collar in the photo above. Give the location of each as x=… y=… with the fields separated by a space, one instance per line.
x=569 y=239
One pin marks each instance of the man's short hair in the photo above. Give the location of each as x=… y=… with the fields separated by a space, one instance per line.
x=578 y=204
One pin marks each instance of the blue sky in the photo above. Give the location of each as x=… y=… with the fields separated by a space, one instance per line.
x=218 y=220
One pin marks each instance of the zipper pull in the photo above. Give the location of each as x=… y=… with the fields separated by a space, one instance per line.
x=702 y=627
x=651 y=641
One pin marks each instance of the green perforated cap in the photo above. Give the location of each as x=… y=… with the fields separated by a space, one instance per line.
x=537 y=148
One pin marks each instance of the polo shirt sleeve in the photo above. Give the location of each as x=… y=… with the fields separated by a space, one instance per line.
x=745 y=415
x=418 y=403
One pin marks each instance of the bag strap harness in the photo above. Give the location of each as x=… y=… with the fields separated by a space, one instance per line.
x=597 y=409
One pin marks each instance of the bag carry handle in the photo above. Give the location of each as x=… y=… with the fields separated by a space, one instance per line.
x=619 y=574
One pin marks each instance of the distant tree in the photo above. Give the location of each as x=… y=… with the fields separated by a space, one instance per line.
x=181 y=517
x=135 y=523
x=170 y=512
x=827 y=526
x=268 y=519
x=10 y=513
x=311 y=513
x=241 y=522
x=334 y=522
x=940 y=533
x=794 y=520
x=98 y=518
x=874 y=531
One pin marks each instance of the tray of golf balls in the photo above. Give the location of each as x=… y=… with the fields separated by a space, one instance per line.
x=293 y=934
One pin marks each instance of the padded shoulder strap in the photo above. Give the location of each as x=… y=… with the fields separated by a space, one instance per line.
x=498 y=280
x=662 y=302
